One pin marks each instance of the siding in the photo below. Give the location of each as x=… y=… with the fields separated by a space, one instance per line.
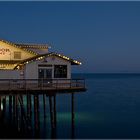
x=31 y=69
x=9 y=74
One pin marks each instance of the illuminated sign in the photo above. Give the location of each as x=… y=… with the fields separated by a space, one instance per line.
x=3 y=51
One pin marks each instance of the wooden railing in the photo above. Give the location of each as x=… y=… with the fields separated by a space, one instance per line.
x=40 y=84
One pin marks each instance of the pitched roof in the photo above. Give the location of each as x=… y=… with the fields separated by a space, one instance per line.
x=27 y=47
x=40 y=57
x=30 y=45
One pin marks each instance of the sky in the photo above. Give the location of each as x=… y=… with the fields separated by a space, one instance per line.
x=104 y=35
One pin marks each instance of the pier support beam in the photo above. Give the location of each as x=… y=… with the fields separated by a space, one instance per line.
x=44 y=105
x=14 y=107
x=54 y=109
x=29 y=106
x=52 y=104
x=36 y=116
x=1 y=115
x=51 y=112
x=29 y=112
x=23 y=114
x=10 y=109
x=4 y=105
x=28 y=116
x=10 y=104
x=0 y=105
x=72 y=116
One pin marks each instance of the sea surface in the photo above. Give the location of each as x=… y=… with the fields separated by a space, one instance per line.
x=110 y=108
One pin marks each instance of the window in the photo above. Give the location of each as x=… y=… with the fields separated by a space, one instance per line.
x=60 y=71
x=17 y=55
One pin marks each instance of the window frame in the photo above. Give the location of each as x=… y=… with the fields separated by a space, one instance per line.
x=58 y=74
x=17 y=53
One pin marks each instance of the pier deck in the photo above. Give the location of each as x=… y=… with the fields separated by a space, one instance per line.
x=41 y=85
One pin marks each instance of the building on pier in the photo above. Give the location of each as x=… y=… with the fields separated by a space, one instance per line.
x=33 y=61
x=33 y=67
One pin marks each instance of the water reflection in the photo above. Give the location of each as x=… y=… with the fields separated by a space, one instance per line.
x=21 y=114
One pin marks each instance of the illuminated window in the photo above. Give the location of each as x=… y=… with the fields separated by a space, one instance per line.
x=60 y=71
x=17 y=55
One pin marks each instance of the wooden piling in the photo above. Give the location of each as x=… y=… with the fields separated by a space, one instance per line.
x=36 y=115
x=4 y=105
x=44 y=105
x=10 y=104
x=0 y=110
x=29 y=115
x=29 y=106
x=0 y=104
x=20 y=99
x=14 y=107
x=54 y=110
x=10 y=109
x=29 y=111
x=51 y=112
x=24 y=121
x=72 y=116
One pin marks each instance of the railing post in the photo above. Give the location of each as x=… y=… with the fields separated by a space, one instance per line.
x=42 y=83
x=56 y=83
x=9 y=84
x=25 y=84
x=70 y=82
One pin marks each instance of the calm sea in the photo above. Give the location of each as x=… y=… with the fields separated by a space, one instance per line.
x=110 y=108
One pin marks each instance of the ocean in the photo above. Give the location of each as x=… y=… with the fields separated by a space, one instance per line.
x=110 y=108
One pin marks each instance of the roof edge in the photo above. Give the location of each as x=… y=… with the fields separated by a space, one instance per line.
x=42 y=56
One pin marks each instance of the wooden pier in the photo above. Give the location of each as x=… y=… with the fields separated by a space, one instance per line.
x=20 y=105
x=41 y=85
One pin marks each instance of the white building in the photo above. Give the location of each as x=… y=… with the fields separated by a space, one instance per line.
x=33 y=61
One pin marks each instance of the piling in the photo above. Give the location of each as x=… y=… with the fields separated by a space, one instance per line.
x=72 y=116
x=36 y=116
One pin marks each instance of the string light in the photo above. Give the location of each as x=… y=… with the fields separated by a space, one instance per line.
x=9 y=43
x=36 y=57
x=47 y=55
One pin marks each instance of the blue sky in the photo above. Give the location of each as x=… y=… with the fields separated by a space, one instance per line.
x=104 y=36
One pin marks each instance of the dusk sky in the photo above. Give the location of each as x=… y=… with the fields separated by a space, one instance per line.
x=104 y=36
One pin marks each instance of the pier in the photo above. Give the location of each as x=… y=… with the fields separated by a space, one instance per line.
x=21 y=102
x=31 y=77
x=41 y=85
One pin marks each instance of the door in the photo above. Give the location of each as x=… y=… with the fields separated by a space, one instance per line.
x=44 y=73
x=45 y=76
x=48 y=74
